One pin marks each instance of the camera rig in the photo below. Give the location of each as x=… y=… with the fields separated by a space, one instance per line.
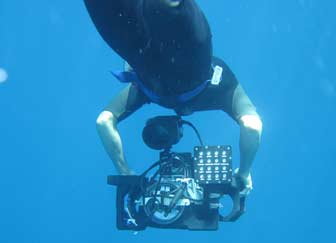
x=180 y=190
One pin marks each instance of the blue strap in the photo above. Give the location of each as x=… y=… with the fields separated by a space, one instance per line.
x=125 y=77
x=131 y=76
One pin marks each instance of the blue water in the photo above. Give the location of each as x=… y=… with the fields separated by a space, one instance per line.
x=53 y=167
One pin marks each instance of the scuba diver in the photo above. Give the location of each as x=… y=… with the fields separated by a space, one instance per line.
x=167 y=46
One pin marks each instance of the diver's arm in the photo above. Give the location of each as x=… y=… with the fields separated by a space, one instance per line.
x=250 y=134
x=122 y=105
x=109 y=134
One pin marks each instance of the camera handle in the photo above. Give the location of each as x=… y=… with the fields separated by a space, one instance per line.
x=238 y=205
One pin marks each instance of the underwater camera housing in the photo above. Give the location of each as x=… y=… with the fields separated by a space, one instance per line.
x=180 y=190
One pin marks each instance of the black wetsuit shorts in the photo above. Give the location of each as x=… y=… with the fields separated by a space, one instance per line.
x=228 y=96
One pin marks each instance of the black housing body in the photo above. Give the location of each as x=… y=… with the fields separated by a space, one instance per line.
x=194 y=217
x=201 y=216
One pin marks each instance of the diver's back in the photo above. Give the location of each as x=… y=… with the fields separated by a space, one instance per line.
x=168 y=46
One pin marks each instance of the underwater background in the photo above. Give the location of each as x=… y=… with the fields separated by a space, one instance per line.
x=55 y=80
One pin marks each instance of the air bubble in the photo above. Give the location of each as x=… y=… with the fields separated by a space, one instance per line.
x=3 y=75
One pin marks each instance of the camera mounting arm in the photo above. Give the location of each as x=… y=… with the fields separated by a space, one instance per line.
x=238 y=206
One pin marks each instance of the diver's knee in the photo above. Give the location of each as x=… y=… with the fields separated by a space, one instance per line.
x=104 y=118
x=252 y=122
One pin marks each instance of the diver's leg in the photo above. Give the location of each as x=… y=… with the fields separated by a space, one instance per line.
x=124 y=104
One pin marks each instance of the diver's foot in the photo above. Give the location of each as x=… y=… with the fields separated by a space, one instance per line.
x=244 y=184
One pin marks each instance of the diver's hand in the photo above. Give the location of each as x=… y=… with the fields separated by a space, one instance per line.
x=244 y=184
x=127 y=172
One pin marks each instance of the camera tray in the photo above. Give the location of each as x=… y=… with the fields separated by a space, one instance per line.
x=212 y=170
